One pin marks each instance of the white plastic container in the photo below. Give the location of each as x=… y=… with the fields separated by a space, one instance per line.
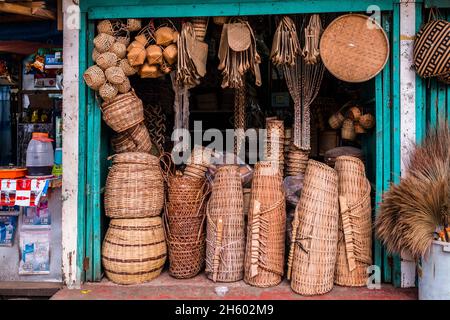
x=434 y=273
x=40 y=155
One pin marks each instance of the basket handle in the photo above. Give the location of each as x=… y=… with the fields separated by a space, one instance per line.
x=167 y=166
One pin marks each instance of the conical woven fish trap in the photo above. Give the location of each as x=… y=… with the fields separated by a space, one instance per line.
x=134 y=250
x=312 y=255
x=225 y=245
x=264 y=259
x=355 y=223
x=354 y=48
x=136 y=139
x=134 y=186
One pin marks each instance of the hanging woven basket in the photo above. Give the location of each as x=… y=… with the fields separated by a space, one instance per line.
x=134 y=250
x=123 y=112
x=134 y=186
x=94 y=77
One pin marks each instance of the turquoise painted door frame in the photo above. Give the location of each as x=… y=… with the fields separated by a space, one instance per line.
x=92 y=154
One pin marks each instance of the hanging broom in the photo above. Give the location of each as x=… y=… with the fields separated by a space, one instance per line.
x=412 y=210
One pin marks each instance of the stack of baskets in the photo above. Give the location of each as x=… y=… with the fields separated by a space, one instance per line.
x=275 y=142
x=264 y=259
x=313 y=251
x=185 y=218
x=297 y=160
x=134 y=249
x=125 y=115
x=354 y=253
x=198 y=162
x=225 y=245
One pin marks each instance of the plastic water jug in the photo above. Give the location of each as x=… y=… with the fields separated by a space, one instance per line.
x=40 y=156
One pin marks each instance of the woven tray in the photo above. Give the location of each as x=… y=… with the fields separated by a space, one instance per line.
x=354 y=48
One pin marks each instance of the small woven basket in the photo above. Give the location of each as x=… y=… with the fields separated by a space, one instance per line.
x=336 y=120
x=225 y=245
x=348 y=130
x=95 y=54
x=128 y=70
x=94 y=77
x=134 y=186
x=106 y=60
x=134 y=250
x=134 y=24
x=354 y=113
x=264 y=258
x=355 y=223
x=367 y=121
x=312 y=255
x=123 y=112
x=108 y=91
x=115 y=75
x=119 y=49
x=124 y=87
x=103 y=42
x=106 y=26
x=297 y=161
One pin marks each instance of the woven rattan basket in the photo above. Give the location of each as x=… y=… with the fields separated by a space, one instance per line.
x=312 y=255
x=134 y=186
x=264 y=258
x=332 y=154
x=354 y=48
x=225 y=245
x=136 y=139
x=355 y=223
x=134 y=250
x=123 y=112
x=275 y=142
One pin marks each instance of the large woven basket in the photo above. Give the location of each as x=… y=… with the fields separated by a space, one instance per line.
x=264 y=258
x=332 y=154
x=355 y=223
x=134 y=186
x=225 y=245
x=312 y=256
x=123 y=112
x=134 y=250
x=354 y=48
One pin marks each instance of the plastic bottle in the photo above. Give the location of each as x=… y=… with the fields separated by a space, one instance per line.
x=40 y=156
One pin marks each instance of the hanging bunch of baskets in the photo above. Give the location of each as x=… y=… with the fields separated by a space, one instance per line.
x=134 y=249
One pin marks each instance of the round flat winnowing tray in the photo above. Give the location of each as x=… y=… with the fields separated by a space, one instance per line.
x=354 y=48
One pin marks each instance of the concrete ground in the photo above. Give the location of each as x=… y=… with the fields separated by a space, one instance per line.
x=166 y=287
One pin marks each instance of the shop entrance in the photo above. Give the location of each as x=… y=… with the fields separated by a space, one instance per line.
x=211 y=104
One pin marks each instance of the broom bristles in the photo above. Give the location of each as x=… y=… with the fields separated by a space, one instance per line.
x=411 y=210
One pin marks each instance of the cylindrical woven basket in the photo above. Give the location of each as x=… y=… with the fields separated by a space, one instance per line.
x=225 y=245
x=123 y=112
x=348 y=130
x=355 y=223
x=297 y=161
x=332 y=154
x=134 y=250
x=134 y=186
x=264 y=257
x=312 y=255
x=186 y=258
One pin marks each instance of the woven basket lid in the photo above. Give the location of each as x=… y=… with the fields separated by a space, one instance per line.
x=354 y=48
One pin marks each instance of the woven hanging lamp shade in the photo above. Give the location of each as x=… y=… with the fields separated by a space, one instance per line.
x=354 y=48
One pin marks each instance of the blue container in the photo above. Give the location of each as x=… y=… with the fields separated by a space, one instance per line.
x=434 y=273
x=58 y=156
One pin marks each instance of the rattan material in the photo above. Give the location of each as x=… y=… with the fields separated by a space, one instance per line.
x=122 y=143
x=127 y=68
x=105 y=26
x=247 y=196
x=94 y=77
x=336 y=120
x=106 y=60
x=367 y=121
x=225 y=245
x=123 y=112
x=444 y=78
x=185 y=225
x=348 y=130
x=354 y=48
x=332 y=154
x=355 y=223
x=134 y=186
x=119 y=49
x=108 y=91
x=115 y=75
x=95 y=54
x=198 y=162
x=103 y=42
x=297 y=161
x=134 y=24
x=200 y=25
x=264 y=258
x=354 y=113
x=134 y=250
x=312 y=256
x=274 y=151
x=124 y=87
x=136 y=139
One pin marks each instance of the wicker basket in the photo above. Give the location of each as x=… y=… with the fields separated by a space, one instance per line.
x=367 y=121
x=127 y=68
x=124 y=87
x=351 y=50
x=103 y=42
x=275 y=142
x=225 y=245
x=134 y=24
x=94 y=77
x=115 y=75
x=136 y=139
x=264 y=258
x=355 y=223
x=134 y=186
x=119 y=49
x=332 y=154
x=134 y=250
x=312 y=255
x=348 y=130
x=336 y=120
x=198 y=162
x=106 y=26
x=123 y=112
x=186 y=258
x=297 y=161
x=106 y=60
x=108 y=91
